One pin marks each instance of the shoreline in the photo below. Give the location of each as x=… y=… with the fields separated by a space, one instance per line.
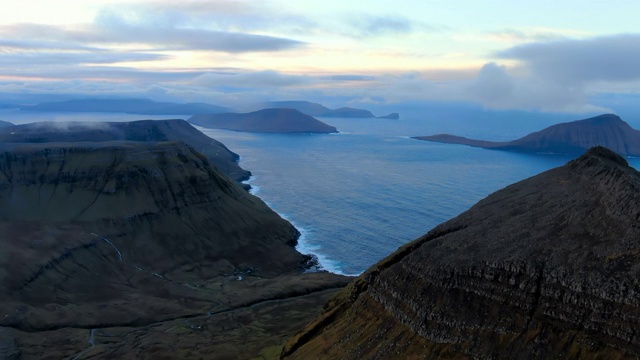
x=303 y=247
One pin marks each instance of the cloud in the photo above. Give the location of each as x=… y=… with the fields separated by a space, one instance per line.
x=365 y=25
x=609 y=58
x=9 y=61
x=533 y=35
x=495 y=88
x=112 y=30
x=228 y=15
x=252 y=79
x=558 y=75
x=369 y=25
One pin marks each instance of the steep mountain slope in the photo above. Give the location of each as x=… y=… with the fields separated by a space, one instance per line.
x=143 y=130
x=546 y=268
x=122 y=238
x=568 y=138
x=266 y=121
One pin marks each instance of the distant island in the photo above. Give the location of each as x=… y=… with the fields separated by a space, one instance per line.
x=129 y=106
x=319 y=110
x=278 y=120
x=567 y=138
x=392 y=116
x=5 y=124
x=138 y=131
x=150 y=107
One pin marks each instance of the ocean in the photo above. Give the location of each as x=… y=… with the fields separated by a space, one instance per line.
x=358 y=195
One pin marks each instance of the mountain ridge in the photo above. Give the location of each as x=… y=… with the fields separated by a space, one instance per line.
x=525 y=273
x=141 y=130
x=144 y=246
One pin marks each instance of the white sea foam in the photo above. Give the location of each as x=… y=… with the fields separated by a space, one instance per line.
x=304 y=247
x=255 y=189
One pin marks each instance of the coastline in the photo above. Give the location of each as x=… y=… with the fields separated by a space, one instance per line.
x=303 y=247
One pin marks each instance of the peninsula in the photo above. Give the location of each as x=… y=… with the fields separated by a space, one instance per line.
x=567 y=138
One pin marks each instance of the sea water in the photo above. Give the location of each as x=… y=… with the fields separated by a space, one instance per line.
x=358 y=195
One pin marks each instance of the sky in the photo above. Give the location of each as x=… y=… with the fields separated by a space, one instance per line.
x=553 y=56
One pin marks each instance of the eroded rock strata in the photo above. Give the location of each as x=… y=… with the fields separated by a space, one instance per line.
x=130 y=249
x=546 y=268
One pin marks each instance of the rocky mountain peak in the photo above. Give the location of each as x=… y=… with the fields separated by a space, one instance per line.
x=543 y=268
x=599 y=155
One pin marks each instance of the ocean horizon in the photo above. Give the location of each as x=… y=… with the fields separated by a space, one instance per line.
x=358 y=195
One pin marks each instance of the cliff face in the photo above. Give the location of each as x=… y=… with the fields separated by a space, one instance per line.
x=548 y=267
x=142 y=131
x=136 y=249
x=568 y=138
x=126 y=205
x=267 y=121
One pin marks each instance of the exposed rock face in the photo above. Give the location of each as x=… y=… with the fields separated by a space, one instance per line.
x=144 y=131
x=567 y=138
x=546 y=268
x=266 y=121
x=132 y=249
x=159 y=207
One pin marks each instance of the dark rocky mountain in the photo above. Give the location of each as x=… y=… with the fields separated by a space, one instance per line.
x=546 y=268
x=567 y=138
x=129 y=106
x=315 y=109
x=5 y=124
x=143 y=130
x=264 y=121
x=142 y=250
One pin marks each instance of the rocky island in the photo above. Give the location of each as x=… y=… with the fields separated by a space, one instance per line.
x=128 y=249
x=319 y=110
x=546 y=268
x=567 y=138
x=281 y=120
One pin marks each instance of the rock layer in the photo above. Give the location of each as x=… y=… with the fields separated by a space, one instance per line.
x=80 y=224
x=134 y=249
x=546 y=268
